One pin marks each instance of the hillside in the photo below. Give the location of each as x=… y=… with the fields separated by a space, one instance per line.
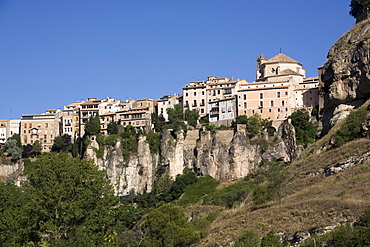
x=314 y=199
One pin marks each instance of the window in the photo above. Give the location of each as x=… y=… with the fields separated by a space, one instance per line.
x=261 y=103
x=202 y=92
x=286 y=93
x=245 y=105
x=244 y=97
x=269 y=110
x=272 y=103
x=278 y=94
x=195 y=93
x=186 y=94
x=261 y=95
x=202 y=110
x=282 y=102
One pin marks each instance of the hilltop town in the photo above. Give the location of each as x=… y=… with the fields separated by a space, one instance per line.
x=280 y=88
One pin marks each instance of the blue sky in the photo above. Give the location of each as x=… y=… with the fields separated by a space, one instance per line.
x=54 y=52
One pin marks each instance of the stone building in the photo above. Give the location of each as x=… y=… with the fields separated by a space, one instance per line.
x=166 y=102
x=198 y=94
x=280 y=89
x=40 y=127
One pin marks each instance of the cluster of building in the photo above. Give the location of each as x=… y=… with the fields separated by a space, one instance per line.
x=280 y=88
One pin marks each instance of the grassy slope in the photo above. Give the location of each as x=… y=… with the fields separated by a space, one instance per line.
x=308 y=202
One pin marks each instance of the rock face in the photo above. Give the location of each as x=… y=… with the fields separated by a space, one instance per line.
x=345 y=77
x=222 y=154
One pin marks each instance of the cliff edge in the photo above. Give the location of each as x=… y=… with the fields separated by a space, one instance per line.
x=345 y=77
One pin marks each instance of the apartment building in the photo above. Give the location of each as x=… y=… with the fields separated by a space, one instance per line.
x=271 y=100
x=166 y=102
x=40 y=127
x=222 y=111
x=280 y=88
x=198 y=94
x=70 y=119
x=94 y=106
x=8 y=127
x=139 y=116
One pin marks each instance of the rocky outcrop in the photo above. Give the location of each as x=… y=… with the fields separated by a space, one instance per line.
x=345 y=77
x=12 y=172
x=222 y=154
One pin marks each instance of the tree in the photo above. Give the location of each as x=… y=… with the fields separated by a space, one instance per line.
x=37 y=148
x=14 y=222
x=254 y=125
x=112 y=128
x=168 y=226
x=27 y=150
x=12 y=148
x=358 y=7
x=70 y=201
x=16 y=137
x=92 y=126
x=305 y=130
x=192 y=117
x=62 y=143
x=175 y=114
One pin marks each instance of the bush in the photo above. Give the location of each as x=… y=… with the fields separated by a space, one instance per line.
x=270 y=241
x=305 y=131
x=194 y=192
x=154 y=141
x=168 y=226
x=228 y=196
x=351 y=128
x=248 y=239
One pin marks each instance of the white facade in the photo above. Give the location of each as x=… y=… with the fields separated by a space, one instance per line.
x=8 y=128
x=222 y=110
x=166 y=102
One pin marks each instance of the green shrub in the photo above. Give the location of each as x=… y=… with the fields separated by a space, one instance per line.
x=248 y=239
x=351 y=128
x=305 y=130
x=154 y=141
x=230 y=195
x=202 y=224
x=270 y=241
x=194 y=192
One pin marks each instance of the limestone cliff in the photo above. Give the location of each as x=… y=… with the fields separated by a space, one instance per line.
x=222 y=154
x=345 y=77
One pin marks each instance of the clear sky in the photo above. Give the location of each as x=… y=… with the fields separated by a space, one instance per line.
x=54 y=52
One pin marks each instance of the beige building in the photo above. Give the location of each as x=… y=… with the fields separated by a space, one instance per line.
x=70 y=119
x=40 y=127
x=197 y=94
x=280 y=89
x=139 y=117
x=92 y=107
